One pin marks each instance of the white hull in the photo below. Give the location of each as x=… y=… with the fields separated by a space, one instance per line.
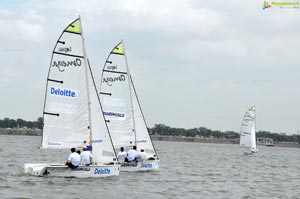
x=148 y=165
x=60 y=170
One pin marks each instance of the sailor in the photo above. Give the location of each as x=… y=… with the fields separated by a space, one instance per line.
x=74 y=159
x=132 y=154
x=86 y=157
x=121 y=155
x=141 y=156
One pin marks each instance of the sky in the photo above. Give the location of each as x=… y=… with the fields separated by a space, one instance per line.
x=194 y=63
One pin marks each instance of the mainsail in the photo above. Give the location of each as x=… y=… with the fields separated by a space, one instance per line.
x=248 y=137
x=121 y=106
x=73 y=116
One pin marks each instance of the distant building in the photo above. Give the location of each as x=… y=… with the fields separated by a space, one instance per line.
x=265 y=141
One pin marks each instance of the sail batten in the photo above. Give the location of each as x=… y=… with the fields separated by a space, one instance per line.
x=68 y=55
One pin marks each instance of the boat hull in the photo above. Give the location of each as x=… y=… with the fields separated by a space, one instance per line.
x=60 y=170
x=148 y=165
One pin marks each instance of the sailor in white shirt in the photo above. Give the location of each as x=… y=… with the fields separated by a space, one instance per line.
x=141 y=156
x=132 y=154
x=86 y=157
x=121 y=155
x=74 y=159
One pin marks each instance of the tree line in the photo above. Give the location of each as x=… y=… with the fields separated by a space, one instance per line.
x=161 y=129
x=20 y=123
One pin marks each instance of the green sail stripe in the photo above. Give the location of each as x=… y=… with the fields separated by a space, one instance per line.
x=74 y=27
x=119 y=49
x=252 y=108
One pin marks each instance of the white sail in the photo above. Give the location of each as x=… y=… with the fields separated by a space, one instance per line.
x=115 y=98
x=103 y=150
x=143 y=139
x=73 y=116
x=248 y=134
x=66 y=107
x=120 y=104
x=72 y=113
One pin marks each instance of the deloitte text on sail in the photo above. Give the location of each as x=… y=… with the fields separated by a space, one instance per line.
x=63 y=92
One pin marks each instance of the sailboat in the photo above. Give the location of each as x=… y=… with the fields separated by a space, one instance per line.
x=73 y=116
x=248 y=132
x=123 y=113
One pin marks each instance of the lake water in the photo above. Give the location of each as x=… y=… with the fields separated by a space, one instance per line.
x=187 y=170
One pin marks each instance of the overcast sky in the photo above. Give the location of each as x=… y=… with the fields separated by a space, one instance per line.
x=194 y=63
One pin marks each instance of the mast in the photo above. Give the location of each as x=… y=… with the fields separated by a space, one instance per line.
x=129 y=84
x=255 y=126
x=255 y=121
x=87 y=85
x=242 y=124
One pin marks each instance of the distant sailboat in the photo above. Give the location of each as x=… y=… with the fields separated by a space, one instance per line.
x=73 y=116
x=122 y=111
x=248 y=131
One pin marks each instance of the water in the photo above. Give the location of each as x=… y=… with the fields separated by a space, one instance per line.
x=187 y=170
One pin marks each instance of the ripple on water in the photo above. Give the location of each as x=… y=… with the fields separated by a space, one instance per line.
x=28 y=183
x=21 y=198
x=5 y=187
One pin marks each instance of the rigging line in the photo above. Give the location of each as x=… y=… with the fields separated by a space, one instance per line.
x=117 y=53
x=57 y=81
x=55 y=114
x=125 y=73
x=61 y=42
x=68 y=54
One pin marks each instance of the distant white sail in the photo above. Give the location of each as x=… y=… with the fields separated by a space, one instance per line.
x=121 y=106
x=248 y=134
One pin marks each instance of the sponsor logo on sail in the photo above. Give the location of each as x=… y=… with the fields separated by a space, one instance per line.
x=112 y=67
x=63 y=92
x=114 y=115
x=110 y=80
x=62 y=64
x=65 y=49
x=51 y=143
x=97 y=141
x=141 y=141
x=118 y=102
x=102 y=171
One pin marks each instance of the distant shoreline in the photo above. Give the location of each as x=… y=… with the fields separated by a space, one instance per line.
x=32 y=132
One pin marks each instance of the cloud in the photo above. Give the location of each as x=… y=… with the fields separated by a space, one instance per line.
x=25 y=27
x=194 y=62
